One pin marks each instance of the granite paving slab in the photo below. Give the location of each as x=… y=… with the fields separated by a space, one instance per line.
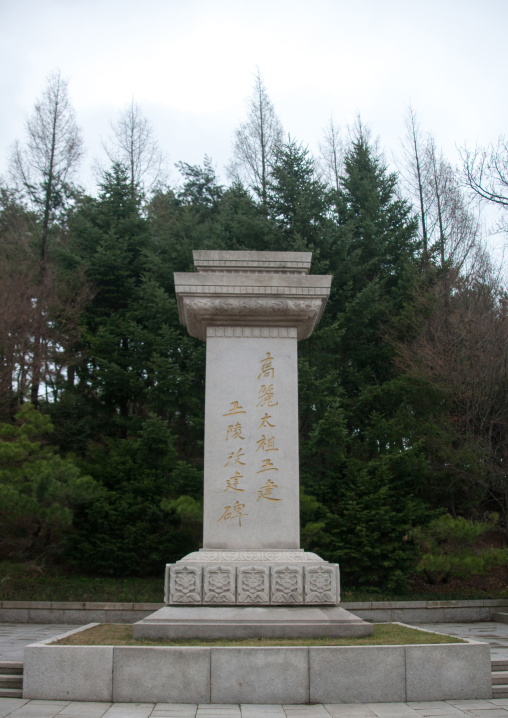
x=85 y=709
x=349 y=710
x=15 y=636
x=21 y=708
x=392 y=710
x=496 y=634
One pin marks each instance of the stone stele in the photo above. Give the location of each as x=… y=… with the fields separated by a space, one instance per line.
x=251 y=577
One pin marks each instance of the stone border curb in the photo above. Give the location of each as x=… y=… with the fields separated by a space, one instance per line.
x=286 y=675
x=375 y=611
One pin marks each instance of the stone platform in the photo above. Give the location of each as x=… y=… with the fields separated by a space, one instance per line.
x=246 y=594
x=250 y=622
x=280 y=675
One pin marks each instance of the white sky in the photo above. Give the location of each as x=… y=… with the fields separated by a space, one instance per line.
x=190 y=64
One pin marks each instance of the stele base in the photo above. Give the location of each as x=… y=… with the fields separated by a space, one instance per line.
x=251 y=578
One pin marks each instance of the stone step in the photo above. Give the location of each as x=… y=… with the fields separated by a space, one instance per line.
x=11 y=679
x=499 y=691
x=500 y=678
x=11 y=668
x=500 y=617
x=499 y=665
x=11 y=693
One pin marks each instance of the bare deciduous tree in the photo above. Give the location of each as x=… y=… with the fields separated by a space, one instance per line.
x=414 y=173
x=462 y=349
x=42 y=170
x=134 y=145
x=256 y=141
x=44 y=166
x=456 y=224
x=486 y=171
x=39 y=312
x=450 y=225
x=331 y=158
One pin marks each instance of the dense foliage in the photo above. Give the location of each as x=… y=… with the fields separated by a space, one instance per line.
x=402 y=387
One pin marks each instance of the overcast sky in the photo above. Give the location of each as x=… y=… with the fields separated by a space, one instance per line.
x=190 y=64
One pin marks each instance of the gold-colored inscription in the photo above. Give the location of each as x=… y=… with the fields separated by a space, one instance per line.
x=265 y=422
x=266 y=444
x=233 y=458
x=266 y=466
x=266 y=396
x=233 y=512
x=234 y=431
x=235 y=408
x=232 y=483
x=265 y=492
x=266 y=366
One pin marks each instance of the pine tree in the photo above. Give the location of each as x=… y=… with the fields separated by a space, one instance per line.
x=361 y=458
x=133 y=408
x=297 y=201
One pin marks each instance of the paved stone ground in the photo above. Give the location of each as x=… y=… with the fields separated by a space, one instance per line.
x=13 y=637
x=487 y=631
x=18 y=708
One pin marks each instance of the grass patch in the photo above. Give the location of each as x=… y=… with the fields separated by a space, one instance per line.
x=31 y=582
x=27 y=582
x=385 y=634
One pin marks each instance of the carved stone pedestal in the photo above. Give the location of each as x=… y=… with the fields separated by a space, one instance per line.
x=252 y=578
x=251 y=308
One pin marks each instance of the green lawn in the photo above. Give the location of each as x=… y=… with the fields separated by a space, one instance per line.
x=385 y=634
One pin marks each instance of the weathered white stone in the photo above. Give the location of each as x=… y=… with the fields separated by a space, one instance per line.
x=287 y=585
x=185 y=584
x=251 y=496
x=354 y=675
x=253 y=585
x=260 y=584
x=251 y=308
x=321 y=584
x=250 y=261
x=154 y=674
x=334 y=674
x=247 y=557
x=219 y=584
x=264 y=292
x=79 y=673
x=443 y=672
x=283 y=621
x=260 y=675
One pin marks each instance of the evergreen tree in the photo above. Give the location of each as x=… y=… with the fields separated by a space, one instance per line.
x=297 y=201
x=361 y=458
x=39 y=490
x=135 y=387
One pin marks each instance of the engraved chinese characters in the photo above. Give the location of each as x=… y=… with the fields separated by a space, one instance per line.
x=233 y=458
x=266 y=400
x=242 y=456
x=251 y=441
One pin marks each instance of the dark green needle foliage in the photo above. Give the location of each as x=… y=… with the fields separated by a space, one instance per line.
x=361 y=456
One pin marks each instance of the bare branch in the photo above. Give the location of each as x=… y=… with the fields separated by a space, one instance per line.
x=331 y=150
x=486 y=171
x=134 y=145
x=256 y=141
